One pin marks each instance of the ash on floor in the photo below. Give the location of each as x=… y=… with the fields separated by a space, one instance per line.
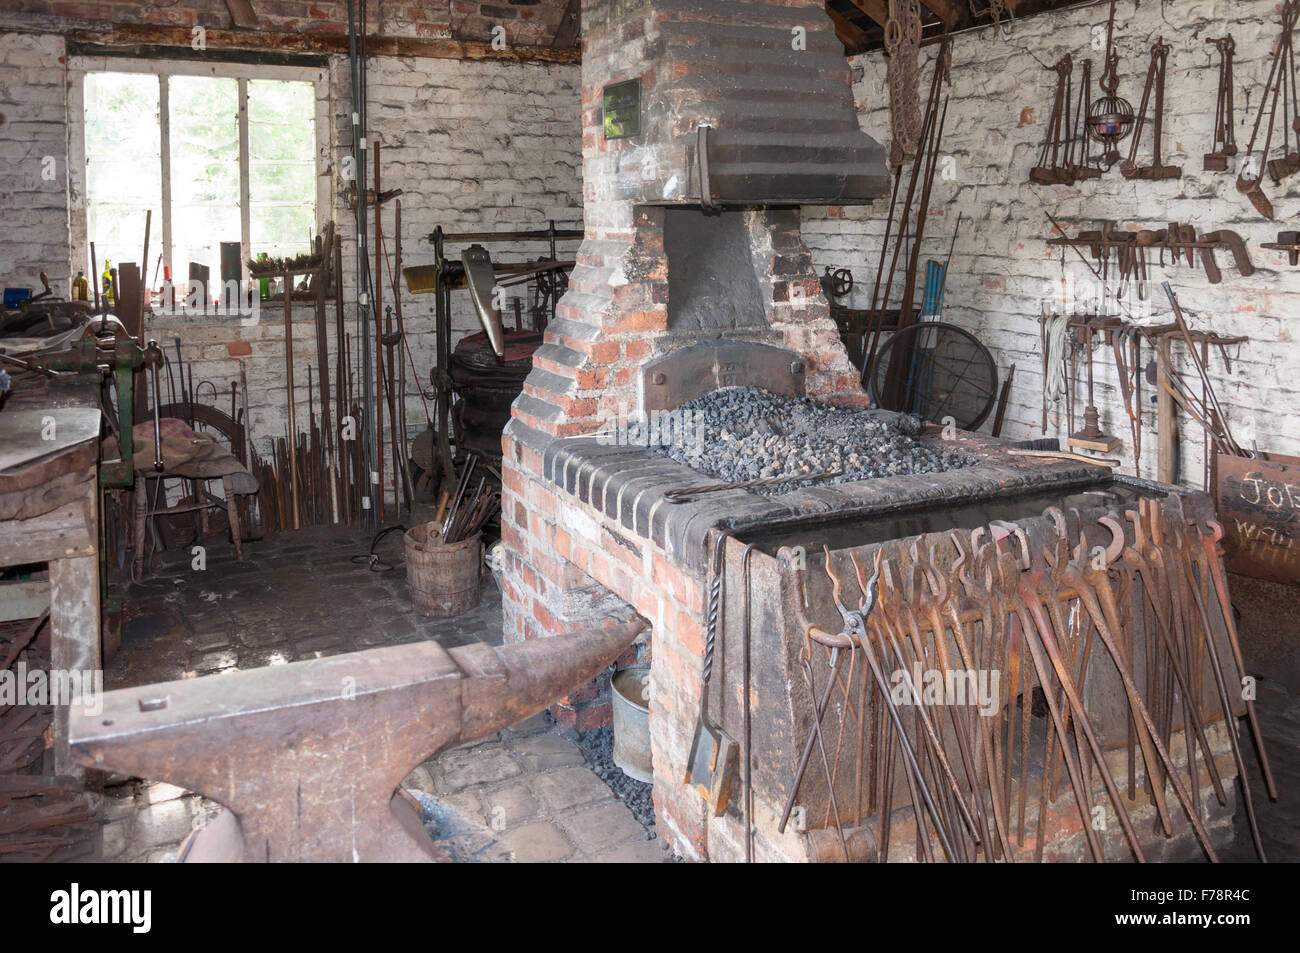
x=745 y=433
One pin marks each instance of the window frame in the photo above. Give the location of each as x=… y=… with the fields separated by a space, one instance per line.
x=80 y=66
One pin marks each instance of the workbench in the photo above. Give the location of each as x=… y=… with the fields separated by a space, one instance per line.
x=49 y=512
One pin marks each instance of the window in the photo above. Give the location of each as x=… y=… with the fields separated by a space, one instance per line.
x=216 y=158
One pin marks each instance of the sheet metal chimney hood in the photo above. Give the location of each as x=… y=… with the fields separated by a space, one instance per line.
x=765 y=83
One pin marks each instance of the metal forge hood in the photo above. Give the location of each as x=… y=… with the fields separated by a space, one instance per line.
x=769 y=84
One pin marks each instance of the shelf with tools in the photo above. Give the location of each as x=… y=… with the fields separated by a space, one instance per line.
x=1288 y=242
x=1132 y=248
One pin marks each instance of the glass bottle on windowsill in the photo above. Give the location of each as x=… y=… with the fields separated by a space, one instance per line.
x=264 y=284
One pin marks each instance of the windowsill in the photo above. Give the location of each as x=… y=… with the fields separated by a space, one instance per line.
x=182 y=316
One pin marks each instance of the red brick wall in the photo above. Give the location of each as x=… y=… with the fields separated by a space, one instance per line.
x=532 y=25
x=564 y=560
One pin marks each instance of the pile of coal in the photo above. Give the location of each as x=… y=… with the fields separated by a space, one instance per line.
x=739 y=434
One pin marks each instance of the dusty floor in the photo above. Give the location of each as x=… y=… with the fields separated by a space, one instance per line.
x=310 y=594
x=1279 y=821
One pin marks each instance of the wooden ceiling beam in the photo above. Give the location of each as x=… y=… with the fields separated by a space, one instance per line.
x=242 y=13
x=949 y=11
x=124 y=35
x=568 y=33
x=854 y=39
x=878 y=10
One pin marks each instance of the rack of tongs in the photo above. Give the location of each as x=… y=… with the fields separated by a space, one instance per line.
x=1134 y=598
x=1280 y=89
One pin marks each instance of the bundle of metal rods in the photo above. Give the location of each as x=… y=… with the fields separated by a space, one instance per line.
x=463 y=513
x=322 y=475
x=1129 y=610
x=924 y=166
x=324 y=482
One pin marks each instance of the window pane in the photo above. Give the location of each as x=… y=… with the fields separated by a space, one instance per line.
x=123 y=169
x=282 y=103
x=282 y=183
x=282 y=166
x=205 y=170
x=275 y=228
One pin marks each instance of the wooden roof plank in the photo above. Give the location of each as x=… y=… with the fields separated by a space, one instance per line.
x=853 y=38
x=949 y=11
x=878 y=10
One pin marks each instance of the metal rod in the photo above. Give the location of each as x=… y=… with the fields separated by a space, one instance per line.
x=288 y=369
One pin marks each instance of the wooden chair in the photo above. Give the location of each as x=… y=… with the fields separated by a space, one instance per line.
x=207 y=461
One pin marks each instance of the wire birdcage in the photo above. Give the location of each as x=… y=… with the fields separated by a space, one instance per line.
x=1110 y=122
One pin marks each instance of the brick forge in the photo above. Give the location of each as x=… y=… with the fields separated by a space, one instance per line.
x=579 y=553
x=569 y=556
x=588 y=531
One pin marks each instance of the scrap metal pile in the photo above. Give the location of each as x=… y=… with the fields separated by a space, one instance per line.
x=1118 y=622
x=746 y=433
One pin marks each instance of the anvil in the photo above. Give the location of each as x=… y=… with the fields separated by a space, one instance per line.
x=307 y=756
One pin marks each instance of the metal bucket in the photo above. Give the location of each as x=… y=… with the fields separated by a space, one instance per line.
x=443 y=579
x=631 y=691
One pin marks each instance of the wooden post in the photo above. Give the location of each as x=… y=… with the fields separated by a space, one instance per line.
x=74 y=640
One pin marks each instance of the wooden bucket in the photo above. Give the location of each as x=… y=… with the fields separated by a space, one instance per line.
x=443 y=579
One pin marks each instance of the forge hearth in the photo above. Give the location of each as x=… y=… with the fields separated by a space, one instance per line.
x=670 y=301
x=600 y=517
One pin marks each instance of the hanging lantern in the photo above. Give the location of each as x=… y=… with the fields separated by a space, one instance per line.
x=1110 y=117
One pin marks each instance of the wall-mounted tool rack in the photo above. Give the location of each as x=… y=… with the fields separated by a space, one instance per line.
x=1288 y=242
x=1130 y=344
x=1132 y=249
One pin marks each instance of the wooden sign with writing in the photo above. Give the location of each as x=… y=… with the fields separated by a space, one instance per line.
x=1259 y=507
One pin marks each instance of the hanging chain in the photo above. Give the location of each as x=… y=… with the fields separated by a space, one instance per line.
x=1109 y=81
x=903 y=44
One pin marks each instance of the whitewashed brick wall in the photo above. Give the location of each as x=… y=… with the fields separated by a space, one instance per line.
x=1002 y=270
x=34 y=236
x=474 y=146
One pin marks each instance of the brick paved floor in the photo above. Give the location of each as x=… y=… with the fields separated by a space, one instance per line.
x=303 y=596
